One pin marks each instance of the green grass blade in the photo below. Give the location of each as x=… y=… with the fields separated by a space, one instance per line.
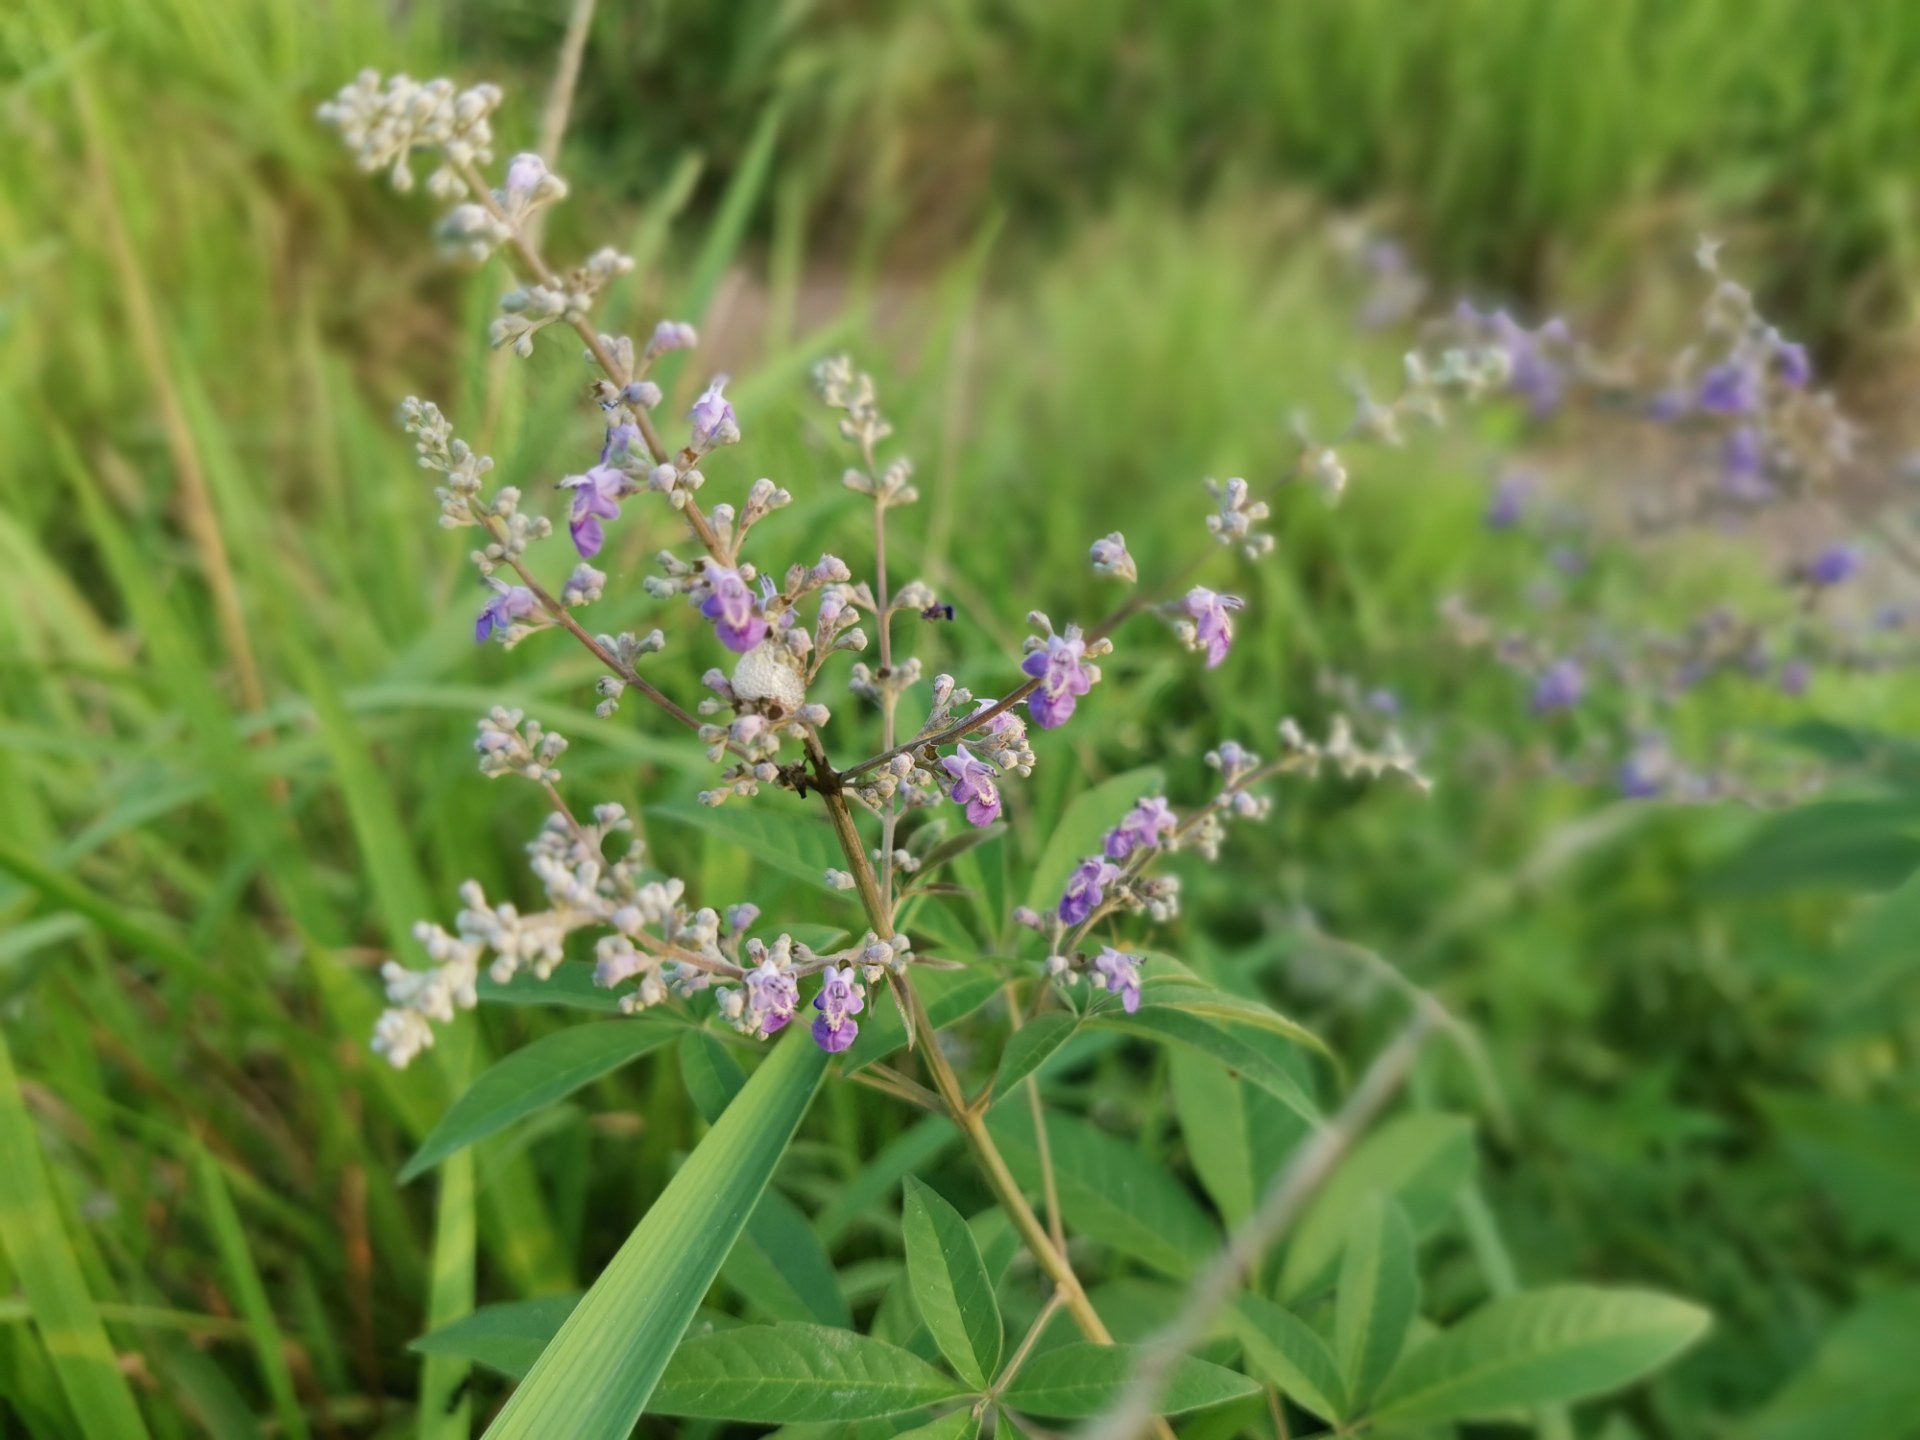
x=63 y=1309
x=249 y=1292
x=596 y=1377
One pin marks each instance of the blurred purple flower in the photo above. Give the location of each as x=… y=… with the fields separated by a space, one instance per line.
x=1509 y=501
x=838 y=1002
x=1834 y=565
x=1086 y=888
x=1794 y=676
x=509 y=603
x=973 y=787
x=1559 y=687
x=1729 y=390
x=1212 y=630
x=596 y=497
x=733 y=609
x=1119 y=972
x=1142 y=828
x=1062 y=672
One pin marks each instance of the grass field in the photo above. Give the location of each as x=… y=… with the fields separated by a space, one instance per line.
x=1084 y=248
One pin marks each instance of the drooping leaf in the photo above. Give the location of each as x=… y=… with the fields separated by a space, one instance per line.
x=787 y=1374
x=1869 y=845
x=1290 y=1354
x=1421 y=1158
x=534 y=1077
x=1539 y=1347
x=1191 y=996
x=1110 y=1191
x=1378 y=1297
x=1081 y=1379
x=596 y=1376
x=1082 y=828
x=507 y=1338
x=1030 y=1047
x=950 y=1285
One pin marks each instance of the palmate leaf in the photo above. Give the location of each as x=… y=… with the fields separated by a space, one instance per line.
x=950 y=1285
x=1290 y=1354
x=959 y=1425
x=1237 y=1134
x=791 y=1374
x=534 y=1077
x=1078 y=1380
x=597 y=1375
x=1539 y=1347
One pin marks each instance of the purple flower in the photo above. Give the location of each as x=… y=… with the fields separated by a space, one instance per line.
x=1212 y=630
x=1509 y=501
x=1064 y=677
x=596 y=497
x=1531 y=373
x=1119 y=972
x=1559 y=687
x=838 y=1002
x=734 y=610
x=1383 y=702
x=1086 y=888
x=1742 y=463
x=1728 y=390
x=1669 y=405
x=713 y=421
x=973 y=787
x=1833 y=565
x=1794 y=676
x=509 y=603
x=1794 y=368
x=772 y=997
x=1142 y=828
x=1644 y=773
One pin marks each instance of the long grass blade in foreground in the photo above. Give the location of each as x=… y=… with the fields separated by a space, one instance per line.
x=597 y=1375
x=64 y=1311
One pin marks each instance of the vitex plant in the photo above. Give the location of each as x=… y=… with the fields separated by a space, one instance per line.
x=1331 y=1324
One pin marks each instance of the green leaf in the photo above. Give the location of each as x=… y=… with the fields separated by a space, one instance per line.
x=534 y=1077
x=792 y=843
x=1866 y=1158
x=950 y=1285
x=49 y=1272
x=596 y=1376
x=507 y=1338
x=1421 y=1159
x=1081 y=829
x=781 y=1267
x=1079 y=1380
x=949 y=995
x=1868 y=845
x=1246 y=1055
x=1110 y=1190
x=1538 y=1348
x=1290 y=1354
x=1193 y=997
x=570 y=987
x=1030 y=1047
x=711 y=1074
x=928 y=1138
x=1862 y=1383
x=958 y=1425
x=1378 y=1298
x=787 y=1374
x=1237 y=1134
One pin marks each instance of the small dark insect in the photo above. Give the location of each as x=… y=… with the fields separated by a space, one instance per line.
x=937 y=612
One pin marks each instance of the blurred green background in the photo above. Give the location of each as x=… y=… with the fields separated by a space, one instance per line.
x=1084 y=245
